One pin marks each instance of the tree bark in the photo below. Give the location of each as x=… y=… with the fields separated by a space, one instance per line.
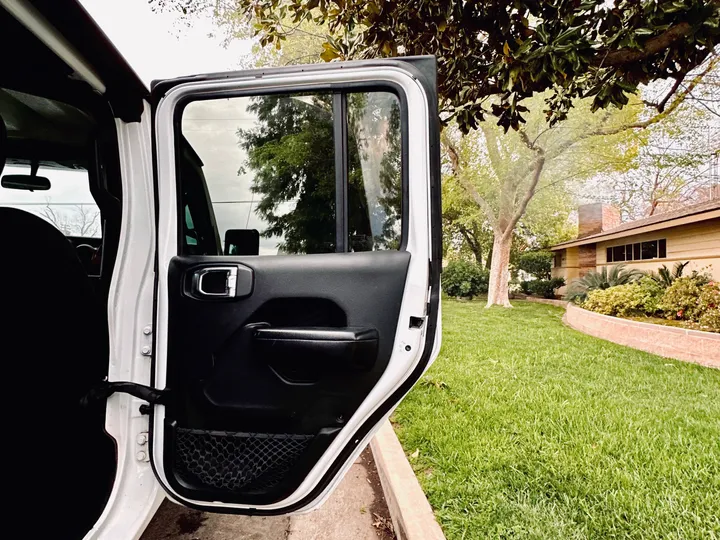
x=473 y=244
x=498 y=293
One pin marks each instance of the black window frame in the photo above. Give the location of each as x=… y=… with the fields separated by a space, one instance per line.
x=340 y=135
x=635 y=251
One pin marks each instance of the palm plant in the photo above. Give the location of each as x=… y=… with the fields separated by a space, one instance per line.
x=604 y=279
x=665 y=277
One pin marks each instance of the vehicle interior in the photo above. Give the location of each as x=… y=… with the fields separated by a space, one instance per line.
x=55 y=333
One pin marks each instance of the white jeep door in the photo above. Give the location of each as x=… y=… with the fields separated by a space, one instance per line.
x=298 y=270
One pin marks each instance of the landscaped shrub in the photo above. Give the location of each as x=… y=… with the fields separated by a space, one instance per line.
x=689 y=298
x=710 y=320
x=680 y=300
x=545 y=287
x=708 y=307
x=618 y=275
x=525 y=287
x=639 y=298
x=536 y=263
x=464 y=279
x=666 y=277
x=652 y=293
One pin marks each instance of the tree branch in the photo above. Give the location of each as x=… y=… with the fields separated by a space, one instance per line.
x=652 y=46
x=676 y=102
x=479 y=200
x=661 y=105
x=539 y=166
x=464 y=182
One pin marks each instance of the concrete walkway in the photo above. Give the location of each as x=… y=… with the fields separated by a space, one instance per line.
x=356 y=510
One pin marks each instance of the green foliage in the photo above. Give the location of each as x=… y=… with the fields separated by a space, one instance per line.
x=502 y=48
x=545 y=287
x=681 y=300
x=464 y=279
x=710 y=320
x=708 y=305
x=525 y=287
x=637 y=298
x=666 y=277
x=536 y=263
x=690 y=298
x=604 y=279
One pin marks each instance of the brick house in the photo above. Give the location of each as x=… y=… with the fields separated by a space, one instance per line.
x=690 y=234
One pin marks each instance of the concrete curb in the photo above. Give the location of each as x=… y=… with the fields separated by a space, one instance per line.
x=412 y=516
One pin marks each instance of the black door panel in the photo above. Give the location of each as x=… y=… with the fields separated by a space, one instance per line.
x=242 y=366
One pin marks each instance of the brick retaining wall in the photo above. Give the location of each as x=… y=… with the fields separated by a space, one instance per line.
x=672 y=342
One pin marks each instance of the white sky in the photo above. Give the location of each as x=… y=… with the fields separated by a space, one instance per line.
x=159 y=45
x=156 y=45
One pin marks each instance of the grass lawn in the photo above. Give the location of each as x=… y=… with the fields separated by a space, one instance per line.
x=524 y=428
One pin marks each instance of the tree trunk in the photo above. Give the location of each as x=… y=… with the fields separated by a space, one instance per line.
x=498 y=293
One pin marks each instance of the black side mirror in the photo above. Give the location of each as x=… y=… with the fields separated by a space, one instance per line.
x=242 y=242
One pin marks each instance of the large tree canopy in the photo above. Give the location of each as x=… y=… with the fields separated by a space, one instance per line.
x=506 y=48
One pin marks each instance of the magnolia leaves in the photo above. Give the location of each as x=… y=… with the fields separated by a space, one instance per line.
x=508 y=49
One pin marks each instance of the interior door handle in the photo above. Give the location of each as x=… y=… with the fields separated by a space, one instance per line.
x=230 y=281
x=335 y=349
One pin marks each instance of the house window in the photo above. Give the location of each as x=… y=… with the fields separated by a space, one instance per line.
x=649 y=250
x=619 y=253
x=640 y=251
x=558 y=259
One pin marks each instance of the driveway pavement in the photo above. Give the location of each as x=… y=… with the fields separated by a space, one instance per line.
x=356 y=511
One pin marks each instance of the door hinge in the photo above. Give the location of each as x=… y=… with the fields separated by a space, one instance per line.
x=105 y=389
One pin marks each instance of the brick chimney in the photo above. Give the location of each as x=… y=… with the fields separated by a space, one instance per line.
x=596 y=217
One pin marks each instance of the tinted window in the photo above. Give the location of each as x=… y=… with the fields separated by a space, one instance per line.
x=618 y=253
x=277 y=166
x=374 y=171
x=649 y=250
x=269 y=165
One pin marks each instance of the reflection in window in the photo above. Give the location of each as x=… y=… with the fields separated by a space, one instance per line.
x=269 y=164
x=374 y=171
x=271 y=172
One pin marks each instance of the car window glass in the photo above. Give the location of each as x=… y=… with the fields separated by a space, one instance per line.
x=68 y=204
x=269 y=165
x=374 y=177
x=273 y=176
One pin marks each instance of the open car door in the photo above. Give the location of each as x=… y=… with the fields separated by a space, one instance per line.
x=298 y=272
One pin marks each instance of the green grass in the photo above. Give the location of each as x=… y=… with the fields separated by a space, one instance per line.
x=524 y=428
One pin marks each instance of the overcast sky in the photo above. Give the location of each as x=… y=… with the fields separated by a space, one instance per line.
x=158 y=45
